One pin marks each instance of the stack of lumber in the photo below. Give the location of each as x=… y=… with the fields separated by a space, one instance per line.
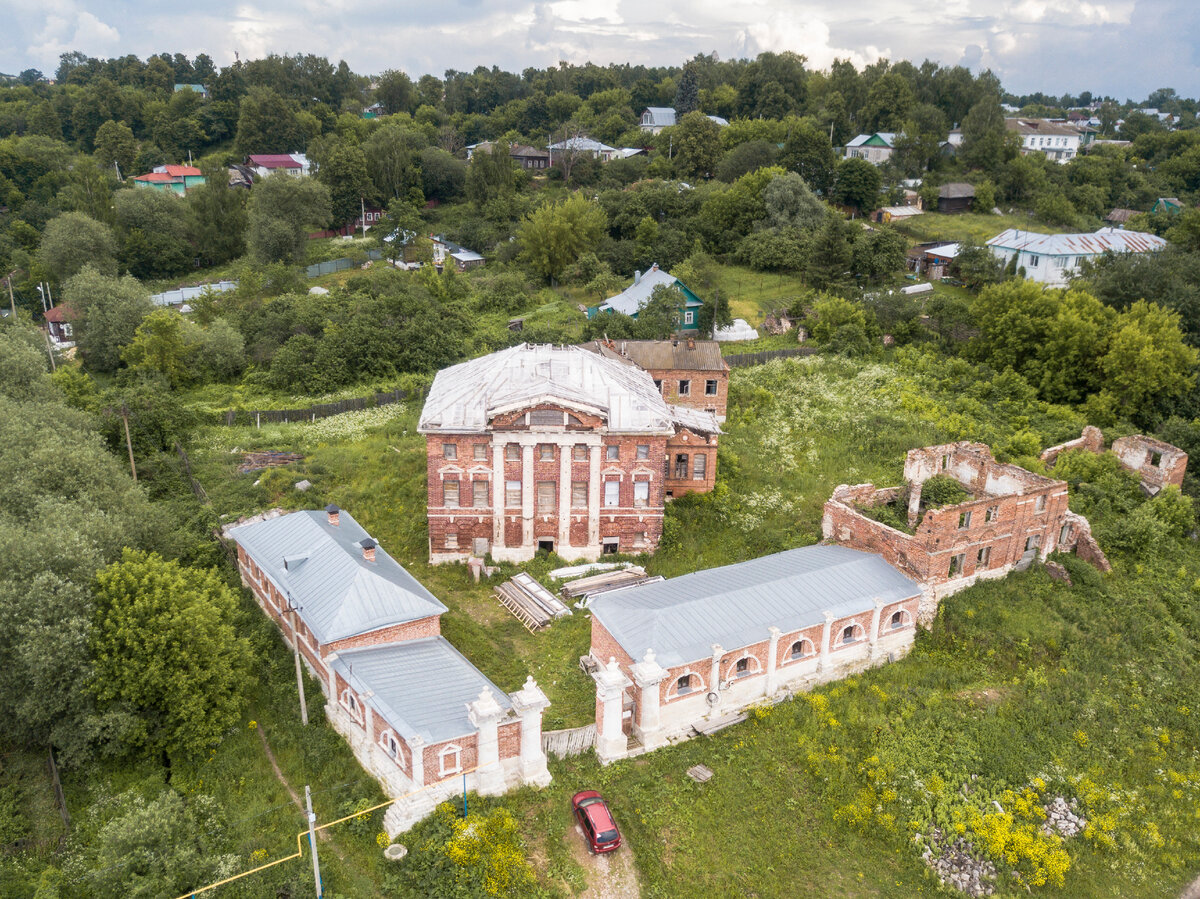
x=589 y=587
x=532 y=604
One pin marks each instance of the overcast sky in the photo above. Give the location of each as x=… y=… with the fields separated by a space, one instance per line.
x=1125 y=48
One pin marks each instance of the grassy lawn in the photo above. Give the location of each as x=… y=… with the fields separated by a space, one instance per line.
x=753 y=294
x=977 y=227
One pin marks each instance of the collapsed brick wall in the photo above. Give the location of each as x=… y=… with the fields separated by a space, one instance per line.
x=1091 y=440
x=1156 y=462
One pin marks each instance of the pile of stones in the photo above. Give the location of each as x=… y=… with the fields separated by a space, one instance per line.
x=954 y=863
x=1062 y=819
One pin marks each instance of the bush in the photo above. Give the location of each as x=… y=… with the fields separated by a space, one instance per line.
x=943 y=490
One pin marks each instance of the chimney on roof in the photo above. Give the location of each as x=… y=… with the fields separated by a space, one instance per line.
x=637 y=276
x=368 y=547
x=654 y=267
x=332 y=511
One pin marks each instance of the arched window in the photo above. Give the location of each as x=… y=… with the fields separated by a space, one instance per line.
x=899 y=619
x=392 y=747
x=801 y=649
x=352 y=705
x=746 y=666
x=850 y=634
x=683 y=686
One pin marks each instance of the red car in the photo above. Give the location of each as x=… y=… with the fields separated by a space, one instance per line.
x=597 y=821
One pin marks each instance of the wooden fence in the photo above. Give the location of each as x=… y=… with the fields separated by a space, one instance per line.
x=321 y=410
x=573 y=741
x=741 y=360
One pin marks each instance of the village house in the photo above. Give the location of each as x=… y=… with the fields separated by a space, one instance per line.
x=689 y=654
x=631 y=300
x=875 y=148
x=194 y=88
x=656 y=118
x=687 y=372
x=1059 y=141
x=1052 y=259
x=460 y=257
x=932 y=259
x=176 y=179
x=1013 y=517
x=583 y=144
x=955 y=197
x=418 y=716
x=266 y=164
x=555 y=449
x=59 y=324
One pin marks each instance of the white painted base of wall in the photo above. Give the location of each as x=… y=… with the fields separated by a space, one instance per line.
x=590 y=553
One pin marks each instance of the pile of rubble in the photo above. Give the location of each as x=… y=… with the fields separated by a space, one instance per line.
x=1062 y=819
x=956 y=866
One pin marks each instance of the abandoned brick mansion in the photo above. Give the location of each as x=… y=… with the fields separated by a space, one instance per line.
x=560 y=449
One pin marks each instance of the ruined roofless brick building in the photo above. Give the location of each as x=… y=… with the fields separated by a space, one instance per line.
x=1014 y=516
x=555 y=448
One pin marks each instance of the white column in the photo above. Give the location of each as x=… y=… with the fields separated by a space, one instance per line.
x=772 y=660
x=611 y=743
x=594 y=496
x=485 y=714
x=497 y=493
x=714 y=676
x=417 y=748
x=648 y=674
x=564 y=498
x=874 y=638
x=529 y=702
x=527 y=496
x=823 y=661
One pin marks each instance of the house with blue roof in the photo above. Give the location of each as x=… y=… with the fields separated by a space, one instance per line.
x=631 y=300
x=688 y=655
x=415 y=711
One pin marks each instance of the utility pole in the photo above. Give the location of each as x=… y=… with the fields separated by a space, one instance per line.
x=50 y=353
x=312 y=840
x=12 y=303
x=128 y=442
x=49 y=295
x=363 y=215
x=296 y=651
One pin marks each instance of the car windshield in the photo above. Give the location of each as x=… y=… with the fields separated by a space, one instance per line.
x=606 y=836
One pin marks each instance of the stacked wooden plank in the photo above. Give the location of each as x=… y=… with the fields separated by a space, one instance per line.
x=532 y=604
x=589 y=587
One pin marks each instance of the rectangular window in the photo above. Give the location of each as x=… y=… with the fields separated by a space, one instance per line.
x=545 y=417
x=610 y=546
x=641 y=494
x=546 y=452
x=480 y=452
x=479 y=494
x=612 y=493
x=710 y=387
x=685 y=388
x=512 y=452
x=612 y=453
x=956 y=564
x=1040 y=504
x=449 y=451
x=699 y=466
x=1156 y=459
x=450 y=494
x=643 y=451
x=545 y=496
x=992 y=513
x=689 y=317
x=1033 y=262
x=983 y=557
x=681 y=467
x=579 y=494
x=512 y=494
x=964 y=520
x=579 y=452
x=452 y=541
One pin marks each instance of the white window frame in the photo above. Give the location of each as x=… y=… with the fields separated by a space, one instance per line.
x=612 y=494
x=812 y=650
x=451 y=749
x=391 y=745
x=689 y=317
x=509 y=487
x=349 y=701
x=641 y=494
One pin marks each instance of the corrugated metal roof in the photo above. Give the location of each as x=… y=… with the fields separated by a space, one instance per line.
x=660 y=116
x=655 y=355
x=338 y=593
x=420 y=687
x=275 y=161
x=1105 y=240
x=681 y=618
x=1040 y=126
x=582 y=144
x=886 y=139
x=956 y=190
x=636 y=295
x=465 y=397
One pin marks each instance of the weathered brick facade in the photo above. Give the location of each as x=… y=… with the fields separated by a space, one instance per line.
x=1014 y=516
x=1157 y=463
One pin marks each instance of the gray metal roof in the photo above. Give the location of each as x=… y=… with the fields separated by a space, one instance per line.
x=636 y=295
x=420 y=687
x=1104 y=240
x=465 y=397
x=660 y=116
x=321 y=568
x=681 y=618
x=652 y=355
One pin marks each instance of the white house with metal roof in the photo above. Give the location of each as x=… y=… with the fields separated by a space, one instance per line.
x=690 y=654
x=582 y=144
x=656 y=118
x=875 y=148
x=1052 y=259
x=552 y=448
x=417 y=714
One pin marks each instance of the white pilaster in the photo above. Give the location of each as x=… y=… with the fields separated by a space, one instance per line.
x=529 y=702
x=498 y=485
x=564 y=497
x=485 y=714
x=823 y=661
x=611 y=743
x=714 y=677
x=772 y=660
x=648 y=674
x=527 y=495
x=874 y=638
x=417 y=748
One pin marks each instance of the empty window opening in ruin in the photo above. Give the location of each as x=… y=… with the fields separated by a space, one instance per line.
x=964 y=520
x=1156 y=459
x=983 y=557
x=546 y=546
x=512 y=452
x=681 y=466
x=992 y=513
x=945 y=461
x=685 y=388
x=1040 y=505
x=612 y=452
x=956 y=564
x=611 y=546
x=710 y=387
x=546 y=452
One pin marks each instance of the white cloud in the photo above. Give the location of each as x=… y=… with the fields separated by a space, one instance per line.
x=802 y=34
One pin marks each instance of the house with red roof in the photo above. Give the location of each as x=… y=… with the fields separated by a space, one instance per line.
x=265 y=164
x=177 y=179
x=58 y=323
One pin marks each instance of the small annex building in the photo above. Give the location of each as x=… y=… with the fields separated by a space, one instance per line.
x=687 y=372
x=416 y=713
x=671 y=657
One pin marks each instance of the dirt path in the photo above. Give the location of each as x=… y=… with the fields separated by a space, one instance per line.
x=611 y=875
x=1193 y=891
x=322 y=835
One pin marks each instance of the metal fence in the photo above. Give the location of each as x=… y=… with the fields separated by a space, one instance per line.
x=338 y=265
x=742 y=360
x=321 y=410
x=573 y=741
x=187 y=294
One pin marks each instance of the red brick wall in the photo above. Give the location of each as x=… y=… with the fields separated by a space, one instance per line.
x=409 y=630
x=691 y=444
x=696 y=398
x=510 y=740
x=604 y=646
x=812 y=634
x=468 y=758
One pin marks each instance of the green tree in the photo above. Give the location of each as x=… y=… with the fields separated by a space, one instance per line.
x=687 y=93
x=809 y=154
x=171 y=670
x=490 y=175
x=790 y=204
x=109 y=311
x=392 y=160
x=165 y=342
x=152 y=227
x=395 y=91
x=1147 y=360
x=830 y=314
x=879 y=253
x=857 y=184
x=73 y=240
x=830 y=255
x=218 y=214
x=983 y=136
x=658 y=318
x=344 y=171
x=267 y=123
x=282 y=210
x=888 y=103
x=696 y=145
x=554 y=235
